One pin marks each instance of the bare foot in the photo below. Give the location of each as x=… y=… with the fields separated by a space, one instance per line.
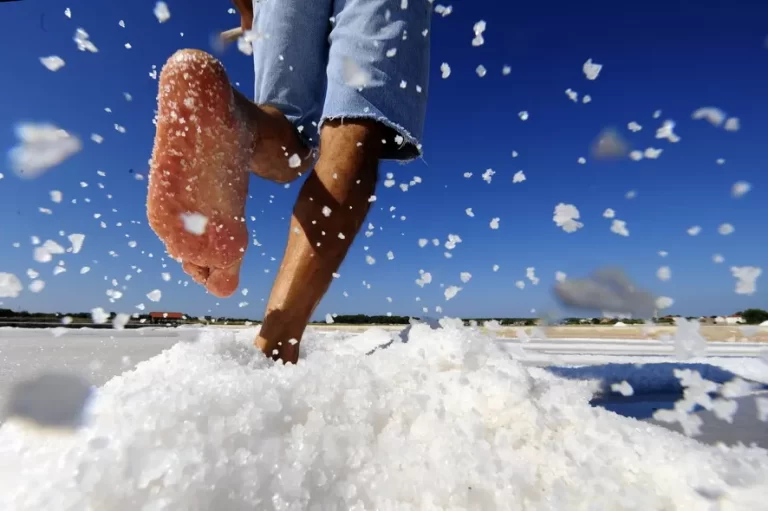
x=206 y=142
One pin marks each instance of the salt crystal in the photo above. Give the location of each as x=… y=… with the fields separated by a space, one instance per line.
x=725 y=229
x=523 y=115
x=369 y=259
x=713 y=115
x=84 y=270
x=667 y=131
x=746 y=276
x=52 y=63
x=520 y=284
x=634 y=127
x=10 y=285
x=495 y=223
x=694 y=231
x=451 y=291
x=519 y=177
x=572 y=95
x=560 y=276
x=664 y=273
x=481 y=71
x=294 y=161
x=717 y=258
x=83 y=42
x=732 y=124
x=740 y=188
x=68 y=12
x=591 y=69
x=566 y=217
x=120 y=320
x=97 y=138
x=652 y=153
x=41 y=147
x=465 y=276
x=36 y=286
x=162 y=13
x=445 y=70
x=155 y=295
x=469 y=212
x=194 y=223
x=488 y=175
x=619 y=227
x=582 y=160
x=623 y=388
x=505 y=70
x=329 y=319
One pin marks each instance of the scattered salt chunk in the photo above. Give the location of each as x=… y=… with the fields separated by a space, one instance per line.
x=294 y=161
x=713 y=115
x=664 y=273
x=586 y=99
x=451 y=291
x=636 y=155
x=120 y=320
x=488 y=175
x=369 y=259
x=717 y=258
x=84 y=270
x=667 y=131
x=469 y=212
x=582 y=160
x=155 y=295
x=520 y=284
x=634 y=127
x=505 y=70
x=560 y=276
x=694 y=231
x=591 y=69
x=10 y=285
x=725 y=229
x=652 y=153
x=162 y=13
x=523 y=115
x=194 y=223
x=623 y=388
x=631 y=194
x=572 y=95
x=746 y=283
x=68 y=12
x=495 y=223
x=481 y=71
x=128 y=46
x=740 y=188
x=467 y=175
x=97 y=138
x=478 y=29
x=445 y=70
x=619 y=227
x=732 y=124
x=390 y=255
x=495 y=267
x=519 y=177
x=664 y=302
x=656 y=114
x=36 y=286
x=52 y=63
x=41 y=146
x=566 y=217
x=326 y=211
x=83 y=41
x=121 y=23
x=423 y=242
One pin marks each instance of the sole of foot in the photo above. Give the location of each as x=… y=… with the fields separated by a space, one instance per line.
x=199 y=171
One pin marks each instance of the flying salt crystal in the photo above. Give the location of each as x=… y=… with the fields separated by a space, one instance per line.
x=41 y=146
x=746 y=283
x=636 y=155
x=713 y=115
x=99 y=316
x=631 y=194
x=582 y=160
x=740 y=188
x=194 y=223
x=667 y=131
x=664 y=273
x=155 y=295
x=121 y=23
x=694 y=231
x=495 y=267
x=119 y=129
x=478 y=29
x=560 y=276
x=404 y=187
x=732 y=124
x=453 y=240
x=465 y=276
x=520 y=284
x=572 y=95
x=242 y=304
x=451 y=292
x=128 y=46
x=403 y=4
x=436 y=242
x=519 y=177
x=656 y=114
x=523 y=115
x=481 y=71
x=97 y=138
x=423 y=242
x=83 y=42
x=717 y=258
x=140 y=306
x=10 y=285
x=84 y=270
x=495 y=223
x=663 y=253
x=467 y=175
x=369 y=259
x=530 y=274
x=443 y=10
x=586 y=99
x=52 y=63
x=619 y=227
x=488 y=175
x=506 y=70
x=329 y=319
x=32 y=274
x=36 y=286
x=326 y=211
x=391 y=52
x=162 y=13
x=566 y=216
x=45 y=211
x=68 y=13
x=445 y=70
x=652 y=153
x=634 y=127
x=58 y=269
x=390 y=255
x=664 y=302
x=167 y=276
x=389 y=183
x=591 y=69
x=120 y=320
x=623 y=388
x=355 y=76
x=294 y=161
x=725 y=229
x=469 y=212
x=609 y=144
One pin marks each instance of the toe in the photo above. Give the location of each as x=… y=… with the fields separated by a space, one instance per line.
x=198 y=273
x=223 y=282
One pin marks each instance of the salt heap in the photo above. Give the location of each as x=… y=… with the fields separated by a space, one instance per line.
x=448 y=420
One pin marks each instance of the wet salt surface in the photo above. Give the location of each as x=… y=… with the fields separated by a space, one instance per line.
x=448 y=420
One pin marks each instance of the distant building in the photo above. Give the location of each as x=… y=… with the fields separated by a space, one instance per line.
x=166 y=317
x=734 y=319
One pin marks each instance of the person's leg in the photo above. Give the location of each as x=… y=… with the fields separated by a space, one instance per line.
x=381 y=120
x=209 y=135
x=343 y=181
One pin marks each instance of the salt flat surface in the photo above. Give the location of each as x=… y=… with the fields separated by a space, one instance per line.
x=448 y=420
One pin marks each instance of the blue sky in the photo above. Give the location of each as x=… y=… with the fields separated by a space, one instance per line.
x=656 y=56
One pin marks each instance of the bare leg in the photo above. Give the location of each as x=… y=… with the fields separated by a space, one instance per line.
x=343 y=181
x=208 y=136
